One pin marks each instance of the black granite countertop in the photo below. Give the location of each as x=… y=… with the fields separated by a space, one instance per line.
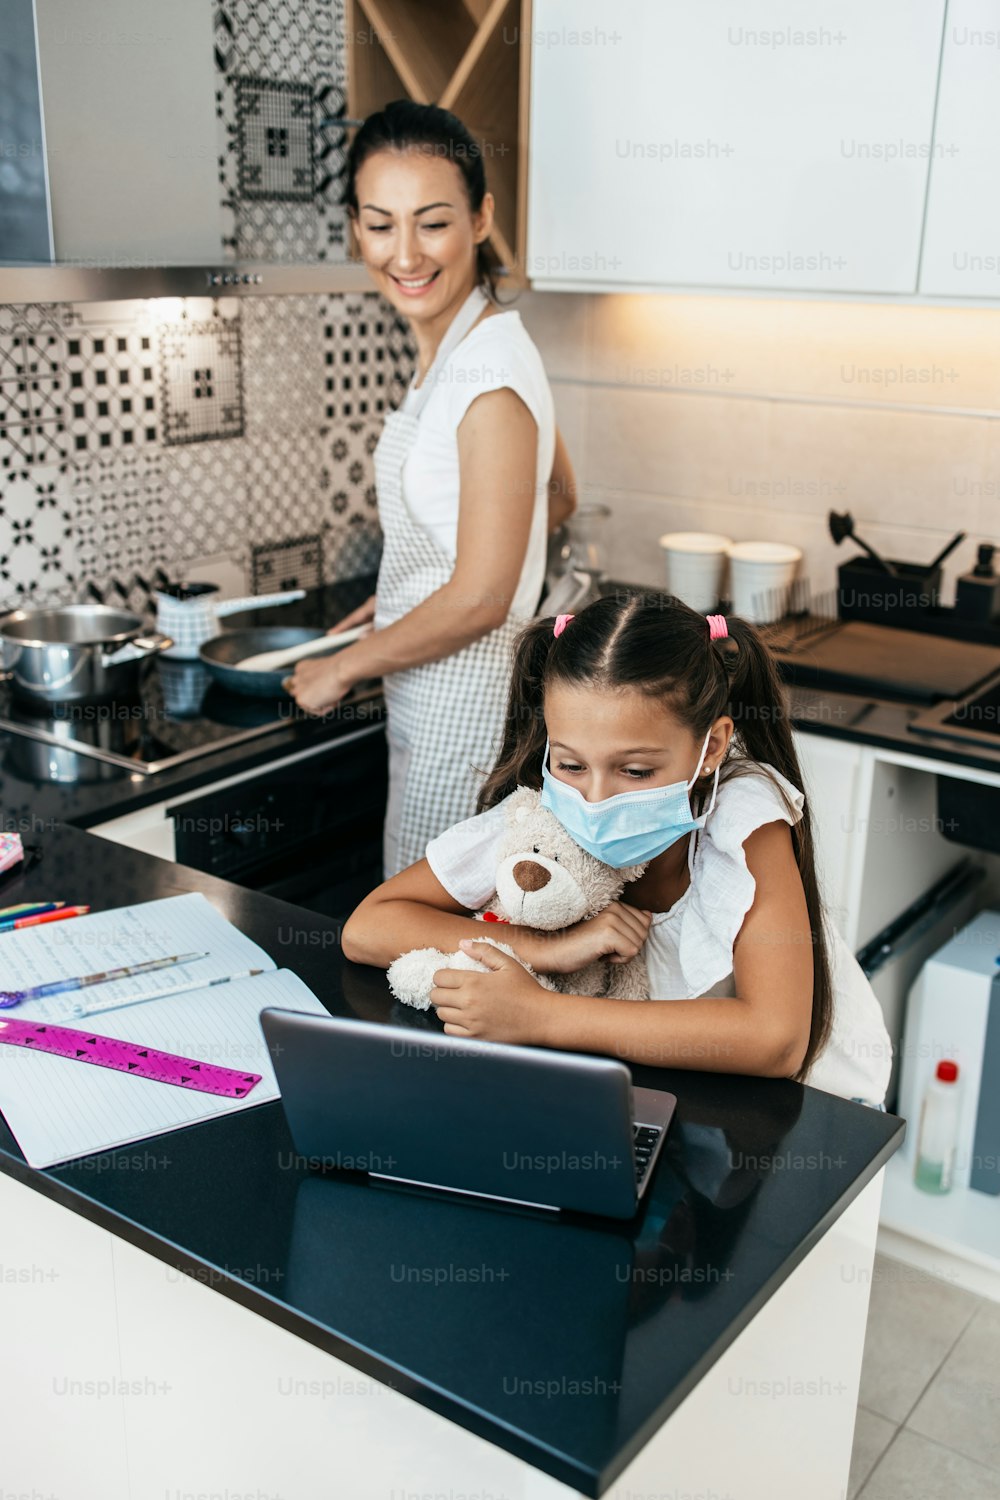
x=30 y=802
x=566 y=1341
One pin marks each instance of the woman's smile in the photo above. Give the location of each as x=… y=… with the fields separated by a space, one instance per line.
x=411 y=286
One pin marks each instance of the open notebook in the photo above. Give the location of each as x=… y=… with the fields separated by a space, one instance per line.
x=59 y=1109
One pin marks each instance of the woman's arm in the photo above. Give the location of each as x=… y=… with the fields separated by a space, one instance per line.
x=765 y=1031
x=562 y=486
x=414 y=910
x=497 y=453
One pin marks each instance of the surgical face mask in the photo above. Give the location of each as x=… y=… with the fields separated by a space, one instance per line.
x=630 y=828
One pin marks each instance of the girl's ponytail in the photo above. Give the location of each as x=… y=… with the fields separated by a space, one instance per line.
x=763 y=731
x=521 y=749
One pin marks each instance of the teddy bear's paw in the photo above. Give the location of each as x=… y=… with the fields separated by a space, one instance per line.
x=411 y=975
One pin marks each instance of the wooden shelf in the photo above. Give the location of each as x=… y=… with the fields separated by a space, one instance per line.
x=467 y=57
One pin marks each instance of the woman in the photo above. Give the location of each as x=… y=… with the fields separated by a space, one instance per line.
x=470 y=471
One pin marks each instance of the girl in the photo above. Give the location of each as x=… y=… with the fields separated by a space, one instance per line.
x=655 y=735
x=470 y=474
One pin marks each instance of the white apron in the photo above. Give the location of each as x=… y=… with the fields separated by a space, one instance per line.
x=445 y=718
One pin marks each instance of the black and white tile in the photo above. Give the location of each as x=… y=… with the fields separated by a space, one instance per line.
x=353 y=539
x=111 y=386
x=283 y=479
x=38 y=556
x=32 y=385
x=296 y=563
x=205 y=501
x=282 y=364
x=118 y=517
x=205 y=433
x=201 y=379
x=281 y=76
x=368 y=357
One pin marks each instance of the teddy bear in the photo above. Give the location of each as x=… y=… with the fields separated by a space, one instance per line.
x=544 y=880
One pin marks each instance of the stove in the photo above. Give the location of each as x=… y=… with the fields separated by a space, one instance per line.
x=179 y=712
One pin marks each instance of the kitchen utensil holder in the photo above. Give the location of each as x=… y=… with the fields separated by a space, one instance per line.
x=867 y=592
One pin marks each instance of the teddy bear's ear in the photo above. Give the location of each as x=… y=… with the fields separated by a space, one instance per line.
x=521 y=804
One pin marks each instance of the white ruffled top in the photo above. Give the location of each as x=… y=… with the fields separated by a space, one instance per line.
x=689 y=952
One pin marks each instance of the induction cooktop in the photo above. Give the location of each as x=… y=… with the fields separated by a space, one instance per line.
x=177 y=715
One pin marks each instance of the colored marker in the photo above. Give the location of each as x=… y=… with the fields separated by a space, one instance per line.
x=47 y=916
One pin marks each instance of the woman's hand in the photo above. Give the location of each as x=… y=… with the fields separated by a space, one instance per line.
x=505 y=1005
x=318 y=686
x=616 y=933
x=363 y=615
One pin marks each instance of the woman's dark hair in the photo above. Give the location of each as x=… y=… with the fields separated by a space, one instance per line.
x=406 y=126
x=657 y=645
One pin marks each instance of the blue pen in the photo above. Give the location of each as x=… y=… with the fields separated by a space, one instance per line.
x=60 y=986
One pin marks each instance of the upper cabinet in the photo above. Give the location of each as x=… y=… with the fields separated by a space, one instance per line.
x=166 y=149
x=468 y=56
x=779 y=145
x=128 y=101
x=962 y=236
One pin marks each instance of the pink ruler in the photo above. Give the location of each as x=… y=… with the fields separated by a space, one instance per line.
x=128 y=1057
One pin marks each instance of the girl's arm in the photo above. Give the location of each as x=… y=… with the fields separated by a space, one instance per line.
x=497 y=452
x=414 y=910
x=765 y=1031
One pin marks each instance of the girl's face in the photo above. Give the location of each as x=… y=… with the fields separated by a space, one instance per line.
x=416 y=231
x=610 y=741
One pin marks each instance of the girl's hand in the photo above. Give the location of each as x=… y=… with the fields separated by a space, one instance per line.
x=318 y=686
x=505 y=1005
x=618 y=932
x=363 y=615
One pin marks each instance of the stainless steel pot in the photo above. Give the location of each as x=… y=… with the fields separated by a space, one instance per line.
x=77 y=652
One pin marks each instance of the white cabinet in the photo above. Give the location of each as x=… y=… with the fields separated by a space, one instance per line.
x=961 y=256
x=128 y=103
x=739 y=144
x=835 y=787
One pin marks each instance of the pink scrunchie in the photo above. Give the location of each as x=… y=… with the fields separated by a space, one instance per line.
x=718 y=630
x=561 y=622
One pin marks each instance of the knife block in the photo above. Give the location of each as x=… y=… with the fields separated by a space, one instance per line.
x=865 y=591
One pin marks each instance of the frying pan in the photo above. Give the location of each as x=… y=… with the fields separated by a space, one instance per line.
x=222 y=653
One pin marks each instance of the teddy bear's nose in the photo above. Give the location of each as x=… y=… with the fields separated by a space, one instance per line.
x=529 y=876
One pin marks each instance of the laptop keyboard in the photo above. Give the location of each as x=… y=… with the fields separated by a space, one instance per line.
x=644 y=1139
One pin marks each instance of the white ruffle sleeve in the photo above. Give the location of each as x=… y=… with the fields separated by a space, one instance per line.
x=723 y=889
x=857 y=1059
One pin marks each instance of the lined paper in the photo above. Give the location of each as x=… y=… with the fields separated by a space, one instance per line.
x=124 y=936
x=59 y=1109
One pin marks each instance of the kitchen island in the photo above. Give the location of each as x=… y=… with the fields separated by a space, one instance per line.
x=203 y=1313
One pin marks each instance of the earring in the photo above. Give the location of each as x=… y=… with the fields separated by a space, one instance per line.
x=707 y=771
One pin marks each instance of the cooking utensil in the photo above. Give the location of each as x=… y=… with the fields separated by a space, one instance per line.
x=190 y=613
x=76 y=652
x=946 y=550
x=841 y=524
x=270 y=661
x=223 y=654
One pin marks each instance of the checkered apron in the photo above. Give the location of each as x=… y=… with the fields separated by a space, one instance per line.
x=444 y=718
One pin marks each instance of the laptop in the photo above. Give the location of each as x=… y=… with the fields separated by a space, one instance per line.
x=555 y=1130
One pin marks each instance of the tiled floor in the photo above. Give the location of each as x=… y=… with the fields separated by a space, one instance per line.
x=928 y=1423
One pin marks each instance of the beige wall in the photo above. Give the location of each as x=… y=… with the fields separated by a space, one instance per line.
x=754 y=417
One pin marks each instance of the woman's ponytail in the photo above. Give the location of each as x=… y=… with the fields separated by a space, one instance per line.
x=763 y=734
x=519 y=762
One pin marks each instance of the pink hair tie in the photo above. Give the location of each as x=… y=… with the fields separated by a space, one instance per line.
x=718 y=630
x=561 y=622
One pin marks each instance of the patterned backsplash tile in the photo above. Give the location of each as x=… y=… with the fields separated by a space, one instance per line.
x=144 y=435
x=138 y=435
